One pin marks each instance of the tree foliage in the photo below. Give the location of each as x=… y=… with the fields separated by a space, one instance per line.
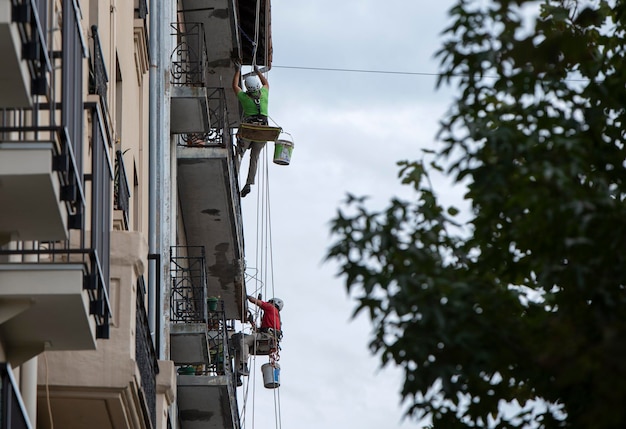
x=525 y=302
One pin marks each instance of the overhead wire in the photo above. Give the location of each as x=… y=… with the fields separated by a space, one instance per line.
x=395 y=72
x=345 y=70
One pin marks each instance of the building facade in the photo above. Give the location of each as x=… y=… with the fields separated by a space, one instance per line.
x=121 y=238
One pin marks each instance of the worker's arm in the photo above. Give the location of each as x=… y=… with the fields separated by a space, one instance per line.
x=254 y=301
x=236 y=78
x=264 y=81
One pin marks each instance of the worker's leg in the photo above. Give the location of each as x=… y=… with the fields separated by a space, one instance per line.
x=242 y=146
x=237 y=340
x=255 y=150
x=247 y=342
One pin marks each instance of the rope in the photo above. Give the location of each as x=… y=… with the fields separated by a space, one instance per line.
x=264 y=282
x=264 y=254
x=255 y=46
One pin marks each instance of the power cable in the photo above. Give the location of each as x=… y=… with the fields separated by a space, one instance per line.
x=356 y=70
x=394 y=72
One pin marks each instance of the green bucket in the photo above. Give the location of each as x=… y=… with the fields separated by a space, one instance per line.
x=282 y=152
x=212 y=303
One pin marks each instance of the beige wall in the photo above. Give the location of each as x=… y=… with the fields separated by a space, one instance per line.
x=125 y=52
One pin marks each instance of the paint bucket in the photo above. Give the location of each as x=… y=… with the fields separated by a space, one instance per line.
x=282 y=151
x=271 y=375
x=212 y=303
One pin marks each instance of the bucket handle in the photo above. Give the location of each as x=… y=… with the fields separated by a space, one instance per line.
x=284 y=132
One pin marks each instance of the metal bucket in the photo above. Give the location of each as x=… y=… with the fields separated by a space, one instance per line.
x=271 y=375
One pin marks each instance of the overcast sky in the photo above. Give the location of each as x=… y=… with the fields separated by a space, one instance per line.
x=349 y=130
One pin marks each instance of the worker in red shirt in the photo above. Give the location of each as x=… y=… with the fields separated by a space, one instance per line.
x=270 y=327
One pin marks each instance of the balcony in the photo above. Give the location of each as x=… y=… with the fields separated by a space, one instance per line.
x=210 y=206
x=25 y=61
x=188 y=309
x=199 y=346
x=189 y=110
x=26 y=169
x=44 y=306
x=117 y=385
x=206 y=402
x=220 y=23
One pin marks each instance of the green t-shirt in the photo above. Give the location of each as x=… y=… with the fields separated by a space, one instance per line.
x=250 y=108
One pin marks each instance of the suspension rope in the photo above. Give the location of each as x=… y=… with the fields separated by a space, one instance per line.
x=264 y=263
x=275 y=355
x=263 y=283
x=256 y=32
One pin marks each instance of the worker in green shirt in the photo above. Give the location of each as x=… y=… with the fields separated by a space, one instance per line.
x=254 y=103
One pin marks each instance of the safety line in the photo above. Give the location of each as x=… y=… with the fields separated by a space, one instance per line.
x=263 y=250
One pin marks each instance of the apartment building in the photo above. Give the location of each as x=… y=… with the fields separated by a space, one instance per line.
x=121 y=240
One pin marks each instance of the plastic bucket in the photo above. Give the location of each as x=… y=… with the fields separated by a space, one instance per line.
x=271 y=375
x=282 y=152
x=212 y=303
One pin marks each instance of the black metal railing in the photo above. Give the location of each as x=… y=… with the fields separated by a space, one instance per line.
x=218 y=338
x=145 y=354
x=101 y=210
x=73 y=53
x=121 y=193
x=25 y=13
x=189 y=58
x=12 y=411
x=218 y=123
x=141 y=9
x=189 y=281
x=98 y=76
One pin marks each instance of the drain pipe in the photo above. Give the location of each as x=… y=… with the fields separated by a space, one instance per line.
x=153 y=191
x=162 y=150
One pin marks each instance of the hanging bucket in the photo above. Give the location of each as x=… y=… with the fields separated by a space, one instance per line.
x=271 y=375
x=282 y=150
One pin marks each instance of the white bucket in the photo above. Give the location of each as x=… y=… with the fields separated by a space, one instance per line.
x=282 y=152
x=271 y=375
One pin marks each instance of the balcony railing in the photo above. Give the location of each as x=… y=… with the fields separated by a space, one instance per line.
x=217 y=329
x=189 y=305
x=189 y=59
x=121 y=197
x=101 y=210
x=98 y=76
x=145 y=353
x=188 y=295
x=141 y=9
x=218 y=124
x=34 y=47
x=12 y=411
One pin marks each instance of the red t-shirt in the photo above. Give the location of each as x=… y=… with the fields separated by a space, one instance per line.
x=271 y=316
